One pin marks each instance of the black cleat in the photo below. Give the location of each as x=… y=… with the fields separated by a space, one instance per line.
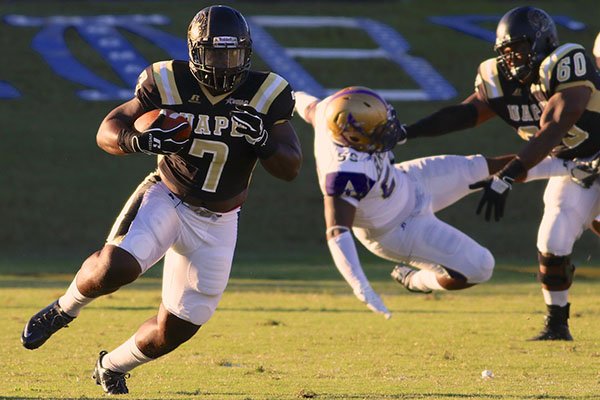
x=112 y=382
x=556 y=326
x=43 y=325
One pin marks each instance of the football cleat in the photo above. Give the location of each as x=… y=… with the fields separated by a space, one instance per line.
x=373 y=302
x=112 y=382
x=43 y=325
x=402 y=274
x=556 y=326
x=585 y=173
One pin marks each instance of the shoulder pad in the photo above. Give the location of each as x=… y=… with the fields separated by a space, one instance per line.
x=548 y=66
x=164 y=82
x=351 y=184
x=269 y=90
x=488 y=79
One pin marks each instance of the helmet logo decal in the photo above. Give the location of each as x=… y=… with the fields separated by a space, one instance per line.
x=225 y=41
x=538 y=21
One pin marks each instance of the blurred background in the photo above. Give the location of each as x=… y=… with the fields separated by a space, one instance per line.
x=65 y=64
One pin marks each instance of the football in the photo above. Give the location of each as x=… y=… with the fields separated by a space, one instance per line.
x=172 y=120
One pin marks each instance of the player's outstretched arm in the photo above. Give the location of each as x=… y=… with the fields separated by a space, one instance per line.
x=339 y=218
x=471 y=112
x=305 y=106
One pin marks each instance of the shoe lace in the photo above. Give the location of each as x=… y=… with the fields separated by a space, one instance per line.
x=115 y=380
x=53 y=320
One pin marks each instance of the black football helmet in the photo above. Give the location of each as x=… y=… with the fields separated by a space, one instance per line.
x=220 y=46
x=524 y=37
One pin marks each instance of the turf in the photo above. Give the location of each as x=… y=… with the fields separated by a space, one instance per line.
x=290 y=339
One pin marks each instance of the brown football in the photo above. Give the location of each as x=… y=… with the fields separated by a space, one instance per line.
x=172 y=120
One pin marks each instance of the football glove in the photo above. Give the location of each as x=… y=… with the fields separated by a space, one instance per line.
x=157 y=140
x=585 y=173
x=373 y=301
x=250 y=124
x=496 y=189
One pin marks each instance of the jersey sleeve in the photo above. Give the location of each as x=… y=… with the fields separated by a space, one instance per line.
x=274 y=99
x=146 y=90
x=596 y=50
x=487 y=81
x=566 y=67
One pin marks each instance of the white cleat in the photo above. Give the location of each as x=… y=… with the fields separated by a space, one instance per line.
x=402 y=274
x=373 y=302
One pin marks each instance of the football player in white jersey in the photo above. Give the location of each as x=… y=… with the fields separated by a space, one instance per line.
x=596 y=50
x=391 y=207
x=549 y=93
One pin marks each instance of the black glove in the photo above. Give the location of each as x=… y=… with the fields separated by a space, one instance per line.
x=154 y=140
x=496 y=189
x=249 y=123
x=585 y=173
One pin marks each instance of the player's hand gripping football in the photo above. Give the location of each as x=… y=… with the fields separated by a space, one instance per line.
x=250 y=124
x=158 y=139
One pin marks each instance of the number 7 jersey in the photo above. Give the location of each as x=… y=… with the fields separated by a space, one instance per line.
x=217 y=163
x=521 y=107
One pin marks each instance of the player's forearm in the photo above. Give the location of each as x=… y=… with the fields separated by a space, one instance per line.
x=448 y=119
x=540 y=146
x=345 y=257
x=107 y=137
x=286 y=162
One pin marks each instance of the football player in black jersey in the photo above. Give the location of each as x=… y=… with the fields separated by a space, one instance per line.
x=549 y=93
x=188 y=209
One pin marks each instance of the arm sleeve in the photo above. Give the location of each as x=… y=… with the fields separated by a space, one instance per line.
x=344 y=254
x=303 y=102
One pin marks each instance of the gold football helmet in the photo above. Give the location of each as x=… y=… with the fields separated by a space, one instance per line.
x=358 y=117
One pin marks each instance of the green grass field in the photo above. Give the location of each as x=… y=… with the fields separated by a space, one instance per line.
x=288 y=326
x=294 y=338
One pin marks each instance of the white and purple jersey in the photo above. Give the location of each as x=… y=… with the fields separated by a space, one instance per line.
x=370 y=182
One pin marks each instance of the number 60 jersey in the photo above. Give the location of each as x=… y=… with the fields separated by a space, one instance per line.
x=565 y=67
x=217 y=163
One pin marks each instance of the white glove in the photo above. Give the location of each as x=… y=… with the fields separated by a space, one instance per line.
x=373 y=302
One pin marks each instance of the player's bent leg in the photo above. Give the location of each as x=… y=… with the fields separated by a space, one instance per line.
x=103 y=272
x=106 y=271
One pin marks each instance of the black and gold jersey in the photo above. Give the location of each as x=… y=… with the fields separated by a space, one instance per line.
x=217 y=163
x=522 y=106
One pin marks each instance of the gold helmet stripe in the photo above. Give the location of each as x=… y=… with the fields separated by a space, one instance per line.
x=165 y=82
x=268 y=92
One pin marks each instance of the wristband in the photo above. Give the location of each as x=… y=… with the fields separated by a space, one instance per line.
x=512 y=170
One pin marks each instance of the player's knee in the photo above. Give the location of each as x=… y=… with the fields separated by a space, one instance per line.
x=484 y=268
x=111 y=268
x=201 y=314
x=555 y=272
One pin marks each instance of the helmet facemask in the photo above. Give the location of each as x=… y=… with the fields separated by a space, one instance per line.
x=517 y=60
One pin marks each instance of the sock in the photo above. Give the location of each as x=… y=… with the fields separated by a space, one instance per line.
x=73 y=301
x=125 y=357
x=548 y=168
x=556 y=298
x=424 y=280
